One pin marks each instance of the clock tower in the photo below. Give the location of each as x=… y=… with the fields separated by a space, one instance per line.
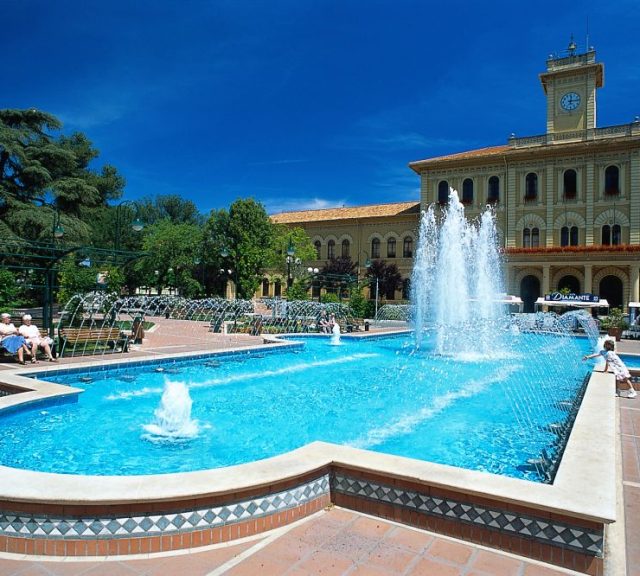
x=570 y=84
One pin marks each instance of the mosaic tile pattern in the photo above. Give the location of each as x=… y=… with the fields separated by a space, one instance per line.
x=39 y=526
x=555 y=533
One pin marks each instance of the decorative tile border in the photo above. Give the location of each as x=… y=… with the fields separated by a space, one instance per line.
x=552 y=532
x=110 y=527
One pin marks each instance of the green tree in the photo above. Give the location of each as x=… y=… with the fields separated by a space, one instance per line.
x=299 y=290
x=168 y=207
x=76 y=279
x=9 y=290
x=35 y=163
x=358 y=303
x=240 y=240
x=298 y=239
x=171 y=255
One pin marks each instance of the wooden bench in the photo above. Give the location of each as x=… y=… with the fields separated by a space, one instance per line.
x=110 y=336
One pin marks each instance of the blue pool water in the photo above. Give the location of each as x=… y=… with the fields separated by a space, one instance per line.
x=379 y=394
x=631 y=360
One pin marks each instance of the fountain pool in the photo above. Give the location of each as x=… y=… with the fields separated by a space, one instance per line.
x=489 y=413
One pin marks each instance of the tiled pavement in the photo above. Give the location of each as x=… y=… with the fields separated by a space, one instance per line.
x=630 y=438
x=338 y=541
x=331 y=543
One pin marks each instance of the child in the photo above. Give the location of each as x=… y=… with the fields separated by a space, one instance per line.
x=617 y=366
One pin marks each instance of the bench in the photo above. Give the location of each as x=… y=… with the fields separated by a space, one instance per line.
x=355 y=324
x=112 y=337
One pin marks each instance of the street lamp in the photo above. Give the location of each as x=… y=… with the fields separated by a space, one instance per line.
x=232 y=273
x=291 y=252
x=314 y=271
x=57 y=232
x=136 y=225
x=367 y=265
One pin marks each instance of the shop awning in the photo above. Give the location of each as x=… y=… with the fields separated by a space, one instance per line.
x=572 y=303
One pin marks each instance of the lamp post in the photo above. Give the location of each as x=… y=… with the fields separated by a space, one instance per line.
x=291 y=252
x=232 y=273
x=57 y=232
x=136 y=225
x=314 y=271
x=367 y=265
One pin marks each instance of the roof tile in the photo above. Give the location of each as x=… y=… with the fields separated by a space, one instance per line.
x=346 y=213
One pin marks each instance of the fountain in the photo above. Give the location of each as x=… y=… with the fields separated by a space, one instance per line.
x=173 y=416
x=457 y=280
x=335 y=335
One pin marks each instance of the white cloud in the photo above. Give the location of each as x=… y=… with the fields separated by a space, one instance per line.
x=277 y=205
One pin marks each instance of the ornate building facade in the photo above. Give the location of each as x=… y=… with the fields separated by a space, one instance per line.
x=567 y=202
x=379 y=232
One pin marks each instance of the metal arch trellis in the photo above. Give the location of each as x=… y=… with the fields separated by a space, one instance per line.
x=21 y=254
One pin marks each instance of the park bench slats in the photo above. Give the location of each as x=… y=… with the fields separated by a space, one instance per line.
x=84 y=337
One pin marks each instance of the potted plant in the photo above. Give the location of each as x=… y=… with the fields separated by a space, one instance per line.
x=615 y=323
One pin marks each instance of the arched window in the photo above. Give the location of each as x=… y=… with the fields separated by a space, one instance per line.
x=375 y=248
x=443 y=192
x=612 y=181
x=573 y=236
x=345 y=248
x=530 y=187
x=569 y=282
x=493 y=192
x=467 y=191
x=277 y=289
x=391 y=248
x=611 y=235
x=331 y=249
x=570 y=184
x=265 y=287
x=616 y=235
x=531 y=237
x=317 y=246
x=407 y=247
x=564 y=236
x=535 y=237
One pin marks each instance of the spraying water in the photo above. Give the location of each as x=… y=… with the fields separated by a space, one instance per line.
x=335 y=335
x=173 y=416
x=457 y=280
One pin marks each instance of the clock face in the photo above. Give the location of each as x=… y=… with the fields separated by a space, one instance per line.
x=570 y=101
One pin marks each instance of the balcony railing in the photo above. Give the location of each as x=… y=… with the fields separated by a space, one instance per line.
x=591 y=134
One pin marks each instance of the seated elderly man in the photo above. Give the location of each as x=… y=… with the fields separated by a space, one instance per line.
x=11 y=340
x=34 y=340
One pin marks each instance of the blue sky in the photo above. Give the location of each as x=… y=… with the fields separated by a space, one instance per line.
x=301 y=104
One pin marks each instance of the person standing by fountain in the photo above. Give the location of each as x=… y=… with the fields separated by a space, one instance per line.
x=620 y=371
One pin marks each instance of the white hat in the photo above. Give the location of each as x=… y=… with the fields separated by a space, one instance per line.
x=27 y=317
x=5 y=315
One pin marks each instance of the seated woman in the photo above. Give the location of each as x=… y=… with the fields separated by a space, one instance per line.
x=10 y=340
x=31 y=334
x=323 y=323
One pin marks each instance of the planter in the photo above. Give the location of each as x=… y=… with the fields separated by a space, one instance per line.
x=615 y=332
